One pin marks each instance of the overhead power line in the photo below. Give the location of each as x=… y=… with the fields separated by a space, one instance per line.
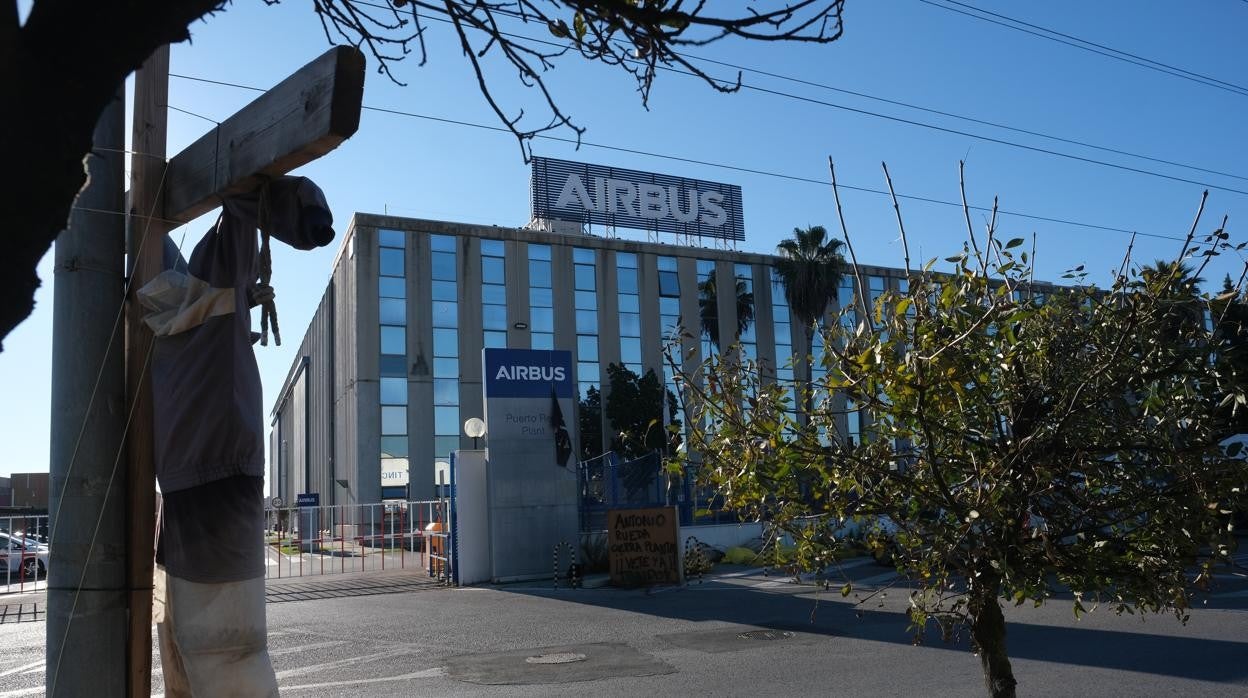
x=726 y=166
x=1085 y=45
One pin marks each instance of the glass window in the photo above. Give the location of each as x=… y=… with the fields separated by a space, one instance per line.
x=392 y=311
x=445 y=314
x=587 y=322
x=394 y=447
x=626 y=260
x=494 y=317
x=586 y=300
x=669 y=284
x=393 y=339
x=876 y=283
x=443 y=445
x=391 y=262
x=445 y=391
x=539 y=251
x=445 y=342
x=584 y=277
x=393 y=391
x=446 y=368
x=492 y=248
x=390 y=287
x=586 y=347
x=495 y=340
x=393 y=366
x=541 y=297
x=630 y=350
x=442 y=243
x=492 y=270
x=581 y=255
x=626 y=280
x=539 y=273
x=630 y=304
x=542 y=319
x=667 y=263
x=587 y=371
x=393 y=420
x=493 y=294
x=391 y=238
x=443 y=266
x=445 y=291
x=543 y=340
x=780 y=311
x=445 y=420
x=630 y=325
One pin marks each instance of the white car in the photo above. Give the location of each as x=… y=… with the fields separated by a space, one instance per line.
x=22 y=559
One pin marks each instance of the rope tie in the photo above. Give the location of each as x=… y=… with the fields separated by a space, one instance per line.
x=268 y=309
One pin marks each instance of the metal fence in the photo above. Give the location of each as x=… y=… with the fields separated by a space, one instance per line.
x=306 y=541
x=23 y=553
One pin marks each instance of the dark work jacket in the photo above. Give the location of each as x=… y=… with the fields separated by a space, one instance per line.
x=206 y=393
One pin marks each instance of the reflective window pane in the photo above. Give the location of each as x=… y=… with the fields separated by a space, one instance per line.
x=394 y=391
x=539 y=251
x=393 y=420
x=630 y=304
x=584 y=274
x=391 y=238
x=442 y=266
x=445 y=342
x=539 y=274
x=445 y=391
x=446 y=368
x=445 y=291
x=443 y=445
x=445 y=314
x=442 y=243
x=780 y=313
x=630 y=325
x=492 y=270
x=587 y=371
x=390 y=287
x=541 y=297
x=492 y=248
x=495 y=340
x=876 y=283
x=542 y=319
x=392 y=311
x=586 y=300
x=626 y=260
x=630 y=350
x=586 y=348
x=393 y=340
x=581 y=255
x=493 y=294
x=393 y=366
x=494 y=317
x=587 y=322
x=669 y=284
x=394 y=447
x=669 y=306
x=667 y=264
x=445 y=420
x=542 y=340
x=391 y=262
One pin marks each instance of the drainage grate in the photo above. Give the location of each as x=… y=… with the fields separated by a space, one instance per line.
x=556 y=658
x=765 y=635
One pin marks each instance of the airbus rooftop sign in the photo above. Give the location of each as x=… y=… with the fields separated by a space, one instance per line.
x=577 y=191
x=527 y=373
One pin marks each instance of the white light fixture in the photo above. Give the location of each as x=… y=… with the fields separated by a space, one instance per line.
x=474 y=428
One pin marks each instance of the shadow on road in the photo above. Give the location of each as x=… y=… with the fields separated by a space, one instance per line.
x=1168 y=655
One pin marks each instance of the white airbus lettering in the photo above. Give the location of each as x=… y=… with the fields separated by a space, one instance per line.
x=643 y=200
x=714 y=215
x=531 y=373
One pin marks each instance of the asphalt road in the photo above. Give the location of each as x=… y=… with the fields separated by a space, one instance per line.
x=738 y=633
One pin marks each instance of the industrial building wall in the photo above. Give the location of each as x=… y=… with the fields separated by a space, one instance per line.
x=356 y=397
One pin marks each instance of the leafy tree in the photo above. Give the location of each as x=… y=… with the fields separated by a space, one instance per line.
x=635 y=406
x=1011 y=449
x=589 y=416
x=1229 y=312
x=810 y=268
x=708 y=308
x=63 y=65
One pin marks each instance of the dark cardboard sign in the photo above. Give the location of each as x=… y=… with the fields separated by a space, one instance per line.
x=642 y=546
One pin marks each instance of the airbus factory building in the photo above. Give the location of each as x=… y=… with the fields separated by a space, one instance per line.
x=390 y=366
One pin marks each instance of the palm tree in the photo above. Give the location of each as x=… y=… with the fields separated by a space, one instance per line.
x=708 y=308
x=810 y=268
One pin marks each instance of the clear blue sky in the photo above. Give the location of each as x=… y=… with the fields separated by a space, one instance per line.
x=903 y=50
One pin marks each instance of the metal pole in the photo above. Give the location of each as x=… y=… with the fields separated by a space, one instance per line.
x=86 y=621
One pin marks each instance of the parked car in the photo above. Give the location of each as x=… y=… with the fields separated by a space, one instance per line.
x=22 y=558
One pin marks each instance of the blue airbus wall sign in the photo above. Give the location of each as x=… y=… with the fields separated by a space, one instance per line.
x=527 y=373
x=578 y=191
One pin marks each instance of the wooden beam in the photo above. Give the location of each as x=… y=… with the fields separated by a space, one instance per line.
x=305 y=116
x=145 y=244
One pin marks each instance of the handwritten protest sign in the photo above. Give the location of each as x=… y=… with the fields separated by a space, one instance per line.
x=642 y=546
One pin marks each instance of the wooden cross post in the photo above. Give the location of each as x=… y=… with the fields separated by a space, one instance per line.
x=304 y=117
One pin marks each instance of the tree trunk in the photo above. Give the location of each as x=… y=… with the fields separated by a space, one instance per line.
x=988 y=631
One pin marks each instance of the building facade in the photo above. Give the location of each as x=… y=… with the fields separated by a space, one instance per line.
x=390 y=367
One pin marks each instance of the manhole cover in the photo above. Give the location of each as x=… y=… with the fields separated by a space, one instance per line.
x=556 y=658
x=765 y=635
